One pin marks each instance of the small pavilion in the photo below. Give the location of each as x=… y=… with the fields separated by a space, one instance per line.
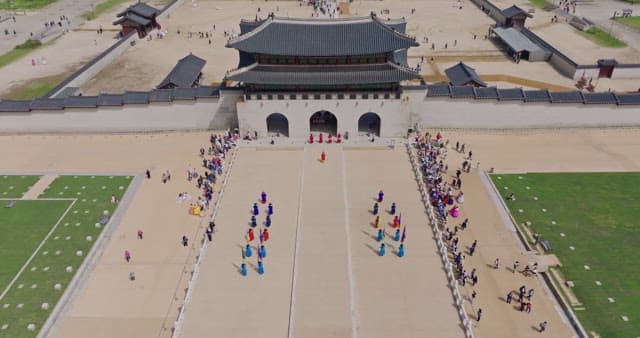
x=515 y=16
x=140 y=18
x=463 y=75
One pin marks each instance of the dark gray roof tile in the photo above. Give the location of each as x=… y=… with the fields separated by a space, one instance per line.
x=510 y=94
x=80 y=101
x=135 y=98
x=110 y=100
x=207 y=91
x=185 y=73
x=329 y=75
x=461 y=75
x=628 y=99
x=537 y=96
x=184 y=93
x=437 y=90
x=161 y=95
x=47 y=104
x=15 y=106
x=566 y=97
x=604 y=97
x=486 y=93
x=322 y=37
x=459 y=92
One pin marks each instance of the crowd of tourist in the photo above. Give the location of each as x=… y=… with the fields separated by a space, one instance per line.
x=213 y=165
x=445 y=195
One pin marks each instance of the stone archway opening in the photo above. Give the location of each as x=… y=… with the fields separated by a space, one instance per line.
x=369 y=124
x=277 y=125
x=323 y=122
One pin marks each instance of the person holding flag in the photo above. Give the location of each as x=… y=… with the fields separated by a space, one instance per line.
x=402 y=238
x=260 y=265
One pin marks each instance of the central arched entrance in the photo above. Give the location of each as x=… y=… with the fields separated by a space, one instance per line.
x=323 y=122
x=277 y=125
x=369 y=123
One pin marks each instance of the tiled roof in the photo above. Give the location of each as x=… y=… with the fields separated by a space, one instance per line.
x=486 y=93
x=604 y=97
x=15 y=106
x=438 y=90
x=514 y=11
x=135 y=97
x=110 y=100
x=322 y=37
x=567 y=97
x=81 y=102
x=510 y=94
x=184 y=93
x=628 y=99
x=327 y=75
x=459 y=92
x=141 y=9
x=537 y=96
x=461 y=74
x=185 y=72
x=161 y=95
x=47 y=104
x=207 y=91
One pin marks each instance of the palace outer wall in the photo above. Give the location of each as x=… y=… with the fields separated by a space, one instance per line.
x=398 y=113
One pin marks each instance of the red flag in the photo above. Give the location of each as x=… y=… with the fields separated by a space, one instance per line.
x=404 y=234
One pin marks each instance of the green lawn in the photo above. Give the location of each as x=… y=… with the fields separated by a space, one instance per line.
x=32 y=90
x=19 y=52
x=602 y=38
x=542 y=4
x=631 y=21
x=26 y=228
x=102 y=7
x=24 y=4
x=15 y=186
x=597 y=215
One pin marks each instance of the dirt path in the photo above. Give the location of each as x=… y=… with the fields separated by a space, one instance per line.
x=39 y=187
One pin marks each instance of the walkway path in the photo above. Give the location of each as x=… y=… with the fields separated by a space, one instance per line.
x=39 y=187
x=33 y=21
x=323 y=273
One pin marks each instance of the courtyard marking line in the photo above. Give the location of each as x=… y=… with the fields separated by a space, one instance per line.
x=35 y=252
x=292 y=299
x=347 y=229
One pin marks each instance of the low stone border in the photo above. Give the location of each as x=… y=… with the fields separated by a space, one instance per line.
x=442 y=249
x=177 y=326
x=78 y=282
x=566 y=308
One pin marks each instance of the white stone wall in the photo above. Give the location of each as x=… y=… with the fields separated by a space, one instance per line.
x=448 y=113
x=252 y=114
x=177 y=115
x=626 y=73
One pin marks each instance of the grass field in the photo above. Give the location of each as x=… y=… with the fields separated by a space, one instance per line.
x=25 y=4
x=19 y=52
x=593 y=225
x=631 y=21
x=16 y=186
x=101 y=8
x=56 y=231
x=602 y=38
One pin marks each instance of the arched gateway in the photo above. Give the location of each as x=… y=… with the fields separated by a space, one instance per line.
x=277 y=124
x=369 y=123
x=323 y=122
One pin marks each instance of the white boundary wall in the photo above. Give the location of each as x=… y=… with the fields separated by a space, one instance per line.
x=397 y=115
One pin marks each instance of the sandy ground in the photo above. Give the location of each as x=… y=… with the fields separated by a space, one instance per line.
x=437 y=22
x=64 y=55
x=582 y=50
x=109 y=305
x=323 y=222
